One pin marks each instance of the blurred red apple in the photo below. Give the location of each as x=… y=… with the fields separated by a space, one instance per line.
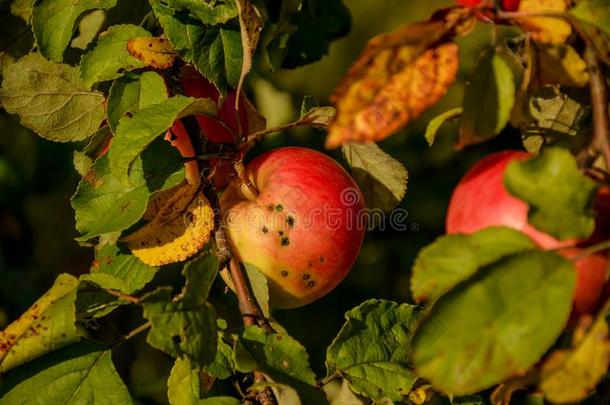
x=480 y=200
x=303 y=230
x=510 y=5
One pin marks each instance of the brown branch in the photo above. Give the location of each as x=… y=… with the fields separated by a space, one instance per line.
x=123 y=296
x=599 y=102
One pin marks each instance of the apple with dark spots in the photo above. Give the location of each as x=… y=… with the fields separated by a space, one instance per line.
x=303 y=230
x=480 y=200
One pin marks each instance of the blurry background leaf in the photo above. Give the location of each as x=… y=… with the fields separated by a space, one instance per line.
x=595 y=12
x=547 y=30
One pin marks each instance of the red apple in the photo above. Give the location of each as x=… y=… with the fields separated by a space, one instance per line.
x=480 y=200
x=469 y=3
x=510 y=5
x=303 y=230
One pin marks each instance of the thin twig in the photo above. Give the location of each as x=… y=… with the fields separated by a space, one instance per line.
x=123 y=296
x=599 y=102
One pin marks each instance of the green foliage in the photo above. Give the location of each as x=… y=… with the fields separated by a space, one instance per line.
x=78 y=374
x=259 y=285
x=372 y=349
x=595 y=12
x=109 y=58
x=560 y=197
x=435 y=124
x=51 y=99
x=496 y=324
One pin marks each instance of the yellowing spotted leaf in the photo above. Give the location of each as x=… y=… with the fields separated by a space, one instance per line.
x=397 y=77
x=178 y=230
x=156 y=52
x=547 y=30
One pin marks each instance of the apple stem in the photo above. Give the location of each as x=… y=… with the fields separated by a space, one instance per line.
x=591 y=250
x=599 y=102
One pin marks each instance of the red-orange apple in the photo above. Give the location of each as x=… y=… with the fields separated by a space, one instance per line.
x=480 y=200
x=305 y=227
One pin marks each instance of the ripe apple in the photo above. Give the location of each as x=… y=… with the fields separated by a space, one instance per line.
x=303 y=230
x=469 y=3
x=480 y=200
x=510 y=5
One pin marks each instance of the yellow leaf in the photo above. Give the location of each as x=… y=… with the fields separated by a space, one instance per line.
x=561 y=64
x=547 y=30
x=156 y=52
x=396 y=78
x=569 y=375
x=178 y=230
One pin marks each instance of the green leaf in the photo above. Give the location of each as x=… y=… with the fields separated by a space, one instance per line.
x=215 y=51
x=436 y=122
x=132 y=92
x=451 y=259
x=53 y=22
x=210 y=12
x=46 y=326
x=184 y=387
x=488 y=100
x=382 y=179
x=495 y=325
x=117 y=263
x=88 y=28
x=279 y=356
x=559 y=196
x=200 y=274
x=109 y=58
x=183 y=328
x=16 y=39
x=260 y=288
x=223 y=365
x=104 y=205
x=51 y=99
x=22 y=8
x=135 y=133
x=372 y=349
x=594 y=12
x=78 y=374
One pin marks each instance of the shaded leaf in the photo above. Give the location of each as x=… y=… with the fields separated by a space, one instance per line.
x=51 y=99
x=250 y=26
x=16 y=39
x=134 y=133
x=134 y=91
x=547 y=30
x=382 y=179
x=396 y=78
x=495 y=325
x=435 y=123
x=210 y=12
x=372 y=349
x=182 y=328
x=104 y=205
x=488 y=100
x=178 y=231
x=594 y=12
x=451 y=259
x=223 y=365
x=155 y=52
x=110 y=58
x=200 y=274
x=78 y=374
x=561 y=64
x=46 y=326
x=184 y=387
x=260 y=288
x=569 y=375
x=560 y=197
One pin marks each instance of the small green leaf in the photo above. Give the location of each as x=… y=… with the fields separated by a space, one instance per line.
x=594 y=12
x=488 y=100
x=258 y=282
x=132 y=92
x=53 y=22
x=559 y=196
x=200 y=274
x=436 y=122
x=382 y=179
x=372 y=349
x=135 y=133
x=78 y=374
x=182 y=328
x=214 y=50
x=210 y=12
x=46 y=326
x=451 y=259
x=495 y=325
x=104 y=205
x=279 y=356
x=51 y=99
x=223 y=365
x=184 y=387
x=109 y=58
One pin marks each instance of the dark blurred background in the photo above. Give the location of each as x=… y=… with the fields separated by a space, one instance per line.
x=37 y=178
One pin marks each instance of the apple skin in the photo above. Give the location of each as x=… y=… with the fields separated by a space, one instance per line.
x=303 y=231
x=480 y=200
x=469 y=3
x=510 y=5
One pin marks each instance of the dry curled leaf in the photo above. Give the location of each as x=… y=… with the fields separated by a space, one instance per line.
x=251 y=24
x=156 y=52
x=547 y=30
x=178 y=230
x=396 y=78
